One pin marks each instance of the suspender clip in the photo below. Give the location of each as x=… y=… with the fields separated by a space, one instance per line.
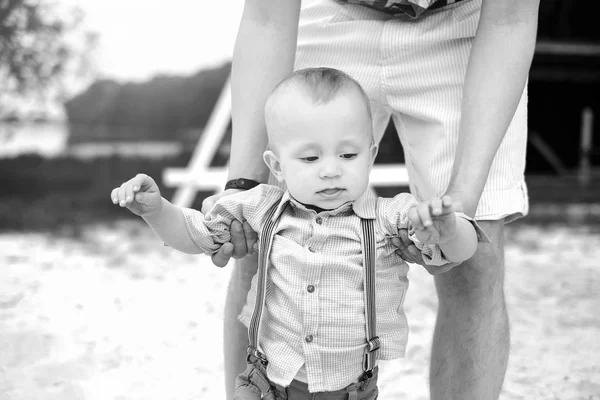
x=373 y=344
x=255 y=355
x=369 y=356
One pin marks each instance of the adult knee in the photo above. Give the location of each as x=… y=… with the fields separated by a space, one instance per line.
x=479 y=280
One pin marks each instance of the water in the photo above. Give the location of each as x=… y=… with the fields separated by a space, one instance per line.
x=50 y=139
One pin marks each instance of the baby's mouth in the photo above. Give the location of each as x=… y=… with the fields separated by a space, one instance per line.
x=330 y=192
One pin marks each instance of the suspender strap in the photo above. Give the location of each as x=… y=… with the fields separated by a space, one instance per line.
x=266 y=239
x=368 y=244
x=372 y=345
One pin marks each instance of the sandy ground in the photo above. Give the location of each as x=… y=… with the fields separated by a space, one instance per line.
x=114 y=315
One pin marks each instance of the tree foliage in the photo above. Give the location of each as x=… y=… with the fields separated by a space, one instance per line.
x=166 y=107
x=34 y=49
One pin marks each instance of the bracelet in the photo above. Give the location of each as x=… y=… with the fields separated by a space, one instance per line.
x=241 y=183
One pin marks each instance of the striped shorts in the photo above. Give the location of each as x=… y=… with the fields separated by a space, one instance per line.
x=413 y=72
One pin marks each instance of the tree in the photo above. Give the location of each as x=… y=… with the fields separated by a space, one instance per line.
x=36 y=52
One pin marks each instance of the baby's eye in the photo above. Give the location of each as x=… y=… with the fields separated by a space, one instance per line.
x=349 y=156
x=310 y=159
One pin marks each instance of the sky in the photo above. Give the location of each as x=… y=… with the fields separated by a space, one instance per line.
x=141 y=38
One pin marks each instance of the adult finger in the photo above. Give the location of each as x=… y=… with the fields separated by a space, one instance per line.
x=238 y=239
x=209 y=202
x=437 y=270
x=401 y=243
x=251 y=237
x=222 y=257
x=407 y=248
x=402 y=251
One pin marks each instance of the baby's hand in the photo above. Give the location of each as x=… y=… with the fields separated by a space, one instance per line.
x=140 y=195
x=434 y=221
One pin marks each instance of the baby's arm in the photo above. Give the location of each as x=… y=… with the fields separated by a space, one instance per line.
x=436 y=222
x=141 y=196
x=169 y=225
x=189 y=230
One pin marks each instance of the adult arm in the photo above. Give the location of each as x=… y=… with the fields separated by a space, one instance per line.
x=263 y=55
x=496 y=74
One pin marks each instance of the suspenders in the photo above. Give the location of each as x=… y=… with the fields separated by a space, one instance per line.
x=266 y=238
x=368 y=245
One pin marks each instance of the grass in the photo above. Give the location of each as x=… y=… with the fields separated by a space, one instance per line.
x=40 y=194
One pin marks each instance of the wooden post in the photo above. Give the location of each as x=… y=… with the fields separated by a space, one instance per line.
x=587 y=120
x=205 y=150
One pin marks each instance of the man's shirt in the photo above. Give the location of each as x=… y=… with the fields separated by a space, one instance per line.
x=410 y=8
x=314 y=307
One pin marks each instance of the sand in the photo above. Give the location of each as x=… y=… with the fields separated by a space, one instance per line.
x=115 y=315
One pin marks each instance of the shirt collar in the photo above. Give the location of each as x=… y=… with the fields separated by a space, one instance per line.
x=364 y=206
x=285 y=199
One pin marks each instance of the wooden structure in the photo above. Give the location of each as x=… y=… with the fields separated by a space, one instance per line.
x=200 y=176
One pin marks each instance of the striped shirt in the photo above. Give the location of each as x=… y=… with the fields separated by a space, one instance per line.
x=314 y=307
x=410 y=8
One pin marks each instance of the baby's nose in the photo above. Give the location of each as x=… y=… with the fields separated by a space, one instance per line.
x=330 y=170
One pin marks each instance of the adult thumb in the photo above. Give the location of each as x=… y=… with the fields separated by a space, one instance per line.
x=208 y=203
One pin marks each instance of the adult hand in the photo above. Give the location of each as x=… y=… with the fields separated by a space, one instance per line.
x=407 y=249
x=410 y=253
x=243 y=238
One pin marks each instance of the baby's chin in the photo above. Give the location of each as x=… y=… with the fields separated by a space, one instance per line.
x=327 y=201
x=332 y=204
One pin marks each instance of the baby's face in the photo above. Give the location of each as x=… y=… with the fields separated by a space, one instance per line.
x=325 y=151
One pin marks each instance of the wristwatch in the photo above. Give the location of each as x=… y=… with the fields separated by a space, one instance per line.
x=241 y=183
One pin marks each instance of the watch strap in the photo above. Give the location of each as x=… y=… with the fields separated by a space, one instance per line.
x=241 y=183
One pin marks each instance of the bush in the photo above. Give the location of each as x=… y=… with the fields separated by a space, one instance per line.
x=38 y=193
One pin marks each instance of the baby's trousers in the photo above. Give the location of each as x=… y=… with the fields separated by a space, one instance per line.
x=253 y=384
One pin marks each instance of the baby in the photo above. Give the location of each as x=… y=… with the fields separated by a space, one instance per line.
x=312 y=302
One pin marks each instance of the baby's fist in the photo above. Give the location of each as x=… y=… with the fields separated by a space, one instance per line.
x=434 y=221
x=140 y=195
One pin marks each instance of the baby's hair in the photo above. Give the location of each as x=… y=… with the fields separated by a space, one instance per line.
x=322 y=84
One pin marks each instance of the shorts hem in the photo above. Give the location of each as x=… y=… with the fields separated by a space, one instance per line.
x=508 y=205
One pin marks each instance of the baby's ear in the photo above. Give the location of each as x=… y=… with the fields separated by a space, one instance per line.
x=273 y=163
x=374 y=149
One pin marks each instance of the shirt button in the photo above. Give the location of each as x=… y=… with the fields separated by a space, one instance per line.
x=319 y=220
x=308 y=339
x=310 y=288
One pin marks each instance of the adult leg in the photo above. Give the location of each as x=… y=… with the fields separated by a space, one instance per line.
x=235 y=334
x=423 y=79
x=471 y=339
